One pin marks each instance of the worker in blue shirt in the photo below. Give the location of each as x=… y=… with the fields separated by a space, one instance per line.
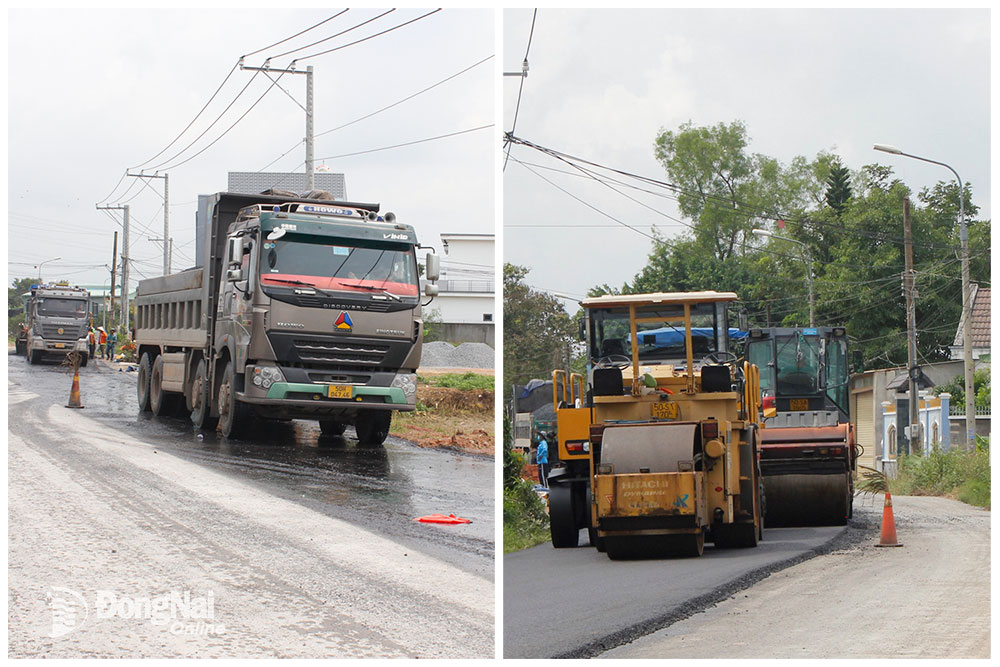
x=542 y=459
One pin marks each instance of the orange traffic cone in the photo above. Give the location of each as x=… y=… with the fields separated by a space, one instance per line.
x=74 y=393
x=888 y=538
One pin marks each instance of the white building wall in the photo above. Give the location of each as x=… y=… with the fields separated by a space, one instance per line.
x=467 y=280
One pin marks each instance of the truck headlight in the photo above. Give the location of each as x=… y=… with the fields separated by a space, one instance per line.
x=408 y=383
x=265 y=376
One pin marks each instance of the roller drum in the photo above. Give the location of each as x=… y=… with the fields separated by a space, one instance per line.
x=807 y=500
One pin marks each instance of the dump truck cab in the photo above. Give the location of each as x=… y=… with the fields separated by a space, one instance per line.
x=667 y=426
x=56 y=322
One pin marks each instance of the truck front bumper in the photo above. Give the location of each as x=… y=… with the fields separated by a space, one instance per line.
x=313 y=394
x=63 y=346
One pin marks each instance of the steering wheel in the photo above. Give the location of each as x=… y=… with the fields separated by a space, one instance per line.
x=613 y=361
x=720 y=358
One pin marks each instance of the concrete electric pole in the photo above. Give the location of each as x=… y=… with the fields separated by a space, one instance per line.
x=166 y=215
x=310 y=166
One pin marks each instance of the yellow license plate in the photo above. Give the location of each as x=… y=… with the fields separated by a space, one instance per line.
x=340 y=391
x=665 y=410
x=799 y=404
x=60 y=345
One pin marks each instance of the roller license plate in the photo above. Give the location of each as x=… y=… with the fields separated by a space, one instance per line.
x=665 y=410
x=798 y=404
x=340 y=391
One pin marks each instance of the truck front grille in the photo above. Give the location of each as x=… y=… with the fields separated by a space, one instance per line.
x=340 y=352
x=70 y=332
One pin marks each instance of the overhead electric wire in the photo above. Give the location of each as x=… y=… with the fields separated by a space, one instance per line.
x=327 y=39
x=409 y=143
x=253 y=53
x=378 y=111
x=520 y=87
x=749 y=209
x=396 y=27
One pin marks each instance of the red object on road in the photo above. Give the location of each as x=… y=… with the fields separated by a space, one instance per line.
x=888 y=537
x=441 y=518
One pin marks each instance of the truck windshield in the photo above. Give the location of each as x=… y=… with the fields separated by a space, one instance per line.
x=54 y=307
x=659 y=332
x=798 y=365
x=345 y=267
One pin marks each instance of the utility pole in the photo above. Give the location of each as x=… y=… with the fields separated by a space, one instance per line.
x=911 y=328
x=166 y=215
x=114 y=267
x=310 y=169
x=125 y=261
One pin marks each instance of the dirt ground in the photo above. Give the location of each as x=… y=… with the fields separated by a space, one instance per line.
x=929 y=598
x=449 y=418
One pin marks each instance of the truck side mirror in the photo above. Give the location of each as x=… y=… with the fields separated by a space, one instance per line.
x=582 y=334
x=234 y=275
x=430 y=289
x=235 y=250
x=432 y=267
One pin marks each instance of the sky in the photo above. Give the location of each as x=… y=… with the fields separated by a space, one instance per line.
x=93 y=93
x=603 y=83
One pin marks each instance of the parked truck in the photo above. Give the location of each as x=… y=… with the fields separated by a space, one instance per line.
x=660 y=441
x=808 y=450
x=56 y=322
x=298 y=308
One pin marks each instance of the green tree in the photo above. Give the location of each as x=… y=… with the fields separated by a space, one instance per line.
x=956 y=387
x=838 y=190
x=537 y=332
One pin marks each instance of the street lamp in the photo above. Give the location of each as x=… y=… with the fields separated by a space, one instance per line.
x=963 y=234
x=809 y=275
x=54 y=259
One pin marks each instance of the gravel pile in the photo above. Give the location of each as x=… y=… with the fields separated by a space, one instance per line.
x=440 y=354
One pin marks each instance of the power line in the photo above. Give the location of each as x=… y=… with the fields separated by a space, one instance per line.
x=520 y=88
x=327 y=39
x=408 y=143
x=253 y=53
x=396 y=27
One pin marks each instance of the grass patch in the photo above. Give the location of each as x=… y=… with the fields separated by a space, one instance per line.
x=525 y=522
x=459 y=381
x=963 y=475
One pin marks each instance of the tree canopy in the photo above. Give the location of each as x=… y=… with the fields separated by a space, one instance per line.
x=850 y=222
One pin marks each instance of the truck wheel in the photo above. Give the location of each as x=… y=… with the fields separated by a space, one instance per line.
x=161 y=402
x=34 y=356
x=201 y=399
x=142 y=382
x=83 y=360
x=372 y=426
x=562 y=517
x=332 y=427
x=234 y=417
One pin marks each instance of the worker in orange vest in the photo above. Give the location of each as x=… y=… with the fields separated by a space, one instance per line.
x=91 y=339
x=103 y=340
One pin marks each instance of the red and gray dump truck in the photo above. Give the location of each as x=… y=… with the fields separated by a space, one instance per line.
x=298 y=308
x=807 y=446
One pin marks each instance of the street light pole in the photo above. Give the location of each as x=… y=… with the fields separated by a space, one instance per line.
x=963 y=234
x=809 y=265
x=54 y=259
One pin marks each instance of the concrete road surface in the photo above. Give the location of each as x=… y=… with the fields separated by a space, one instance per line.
x=134 y=537
x=929 y=598
x=579 y=603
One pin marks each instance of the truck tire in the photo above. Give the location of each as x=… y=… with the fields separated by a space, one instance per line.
x=83 y=359
x=201 y=399
x=142 y=382
x=562 y=517
x=372 y=426
x=34 y=356
x=235 y=418
x=162 y=403
x=332 y=427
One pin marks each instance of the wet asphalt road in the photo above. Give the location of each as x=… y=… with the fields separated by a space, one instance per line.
x=379 y=488
x=579 y=603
